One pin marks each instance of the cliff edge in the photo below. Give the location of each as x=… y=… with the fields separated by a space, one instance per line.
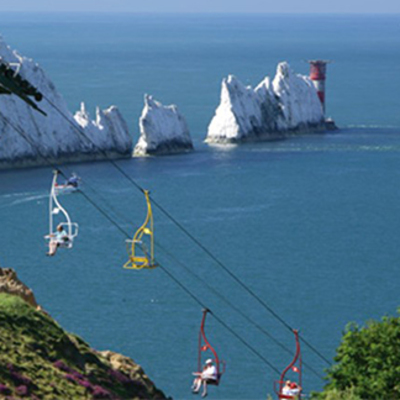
x=39 y=360
x=28 y=138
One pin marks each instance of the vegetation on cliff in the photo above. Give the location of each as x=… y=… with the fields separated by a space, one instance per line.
x=39 y=360
x=367 y=363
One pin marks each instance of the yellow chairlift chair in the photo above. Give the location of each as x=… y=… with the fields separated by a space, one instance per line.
x=139 y=255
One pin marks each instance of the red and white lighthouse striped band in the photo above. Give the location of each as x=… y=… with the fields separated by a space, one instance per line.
x=317 y=70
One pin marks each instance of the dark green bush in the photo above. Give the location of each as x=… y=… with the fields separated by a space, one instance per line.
x=367 y=362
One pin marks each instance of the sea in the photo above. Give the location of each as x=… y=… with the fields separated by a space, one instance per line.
x=305 y=231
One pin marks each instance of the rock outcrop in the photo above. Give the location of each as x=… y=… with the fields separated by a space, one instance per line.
x=57 y=137
x=128 y=367
x=10 y=284
x=39 y=360
x=270 y=111
x=163 y=130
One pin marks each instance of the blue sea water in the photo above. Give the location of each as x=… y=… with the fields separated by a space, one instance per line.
x=309 y=224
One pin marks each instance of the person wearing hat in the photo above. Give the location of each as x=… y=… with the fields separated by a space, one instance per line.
x=208 y=375
x=294 y=389
x=286 y=389
x=291 y=390
x=56 y=239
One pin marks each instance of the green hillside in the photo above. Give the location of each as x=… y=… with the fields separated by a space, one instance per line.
x=39 y=360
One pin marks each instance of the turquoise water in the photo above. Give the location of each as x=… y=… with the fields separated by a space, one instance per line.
x=309 y=224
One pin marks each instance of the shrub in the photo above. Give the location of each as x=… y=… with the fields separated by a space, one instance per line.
x=101 y=393
x=22 y=390
x=5 y=390
x=70 y=377
x=62 y=366
x=367 y=362
x=86 y=384
x=118 y=376
x=17 y=377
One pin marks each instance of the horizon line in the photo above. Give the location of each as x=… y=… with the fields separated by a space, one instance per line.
x=325 y=13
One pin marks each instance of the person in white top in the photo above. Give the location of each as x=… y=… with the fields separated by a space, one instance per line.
x=56 y=239
x=286 y=389
x=291 y=389
x=208 y=375
x=294 y=390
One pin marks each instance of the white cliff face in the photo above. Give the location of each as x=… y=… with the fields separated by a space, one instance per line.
x=163 y=130
x=290 y=103
x=298 y=98
x=58 y=136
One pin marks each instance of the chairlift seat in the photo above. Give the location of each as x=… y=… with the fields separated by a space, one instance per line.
x=139 y=263
x=140 y=260
x=214 y=382
x=66 y=243
x=277 y=384
x=133 y=241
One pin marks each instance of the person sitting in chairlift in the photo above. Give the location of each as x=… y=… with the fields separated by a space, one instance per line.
x=286 y=388
x=61 y=236
x=295 y=390
x=208 y=375
x=73 y=181
x=291 y=389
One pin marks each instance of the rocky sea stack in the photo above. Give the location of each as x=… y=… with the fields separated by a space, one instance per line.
x=288 y=104
x=39 y=360
x=163 y=130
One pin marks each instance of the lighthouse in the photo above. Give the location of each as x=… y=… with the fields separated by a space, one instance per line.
x=318 y=77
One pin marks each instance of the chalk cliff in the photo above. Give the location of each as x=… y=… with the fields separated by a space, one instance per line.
x=287 y=104
x=163 y=130
x=59 y=136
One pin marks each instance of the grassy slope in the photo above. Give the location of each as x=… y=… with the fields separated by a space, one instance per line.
x=38 y=359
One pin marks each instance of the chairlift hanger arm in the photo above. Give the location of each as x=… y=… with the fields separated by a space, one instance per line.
x=149 y=218
x=185 y=231
x=55 y=199
x=145 y=260
x=207 y=345
x=296 y=356
x=54 y=208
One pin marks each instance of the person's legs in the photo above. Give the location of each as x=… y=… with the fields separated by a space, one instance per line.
x=52 y=247
x=196 y=385
x=204 y=394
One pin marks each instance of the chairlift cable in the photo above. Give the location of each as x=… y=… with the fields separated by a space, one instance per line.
x=190 y=236
x=33 y=144
x=56 y=167
x=176 y=280
x=203 y=281
x=235 y=308
x=103 y=152
x=100 y=210
x=227 y=327
x=187 y=233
